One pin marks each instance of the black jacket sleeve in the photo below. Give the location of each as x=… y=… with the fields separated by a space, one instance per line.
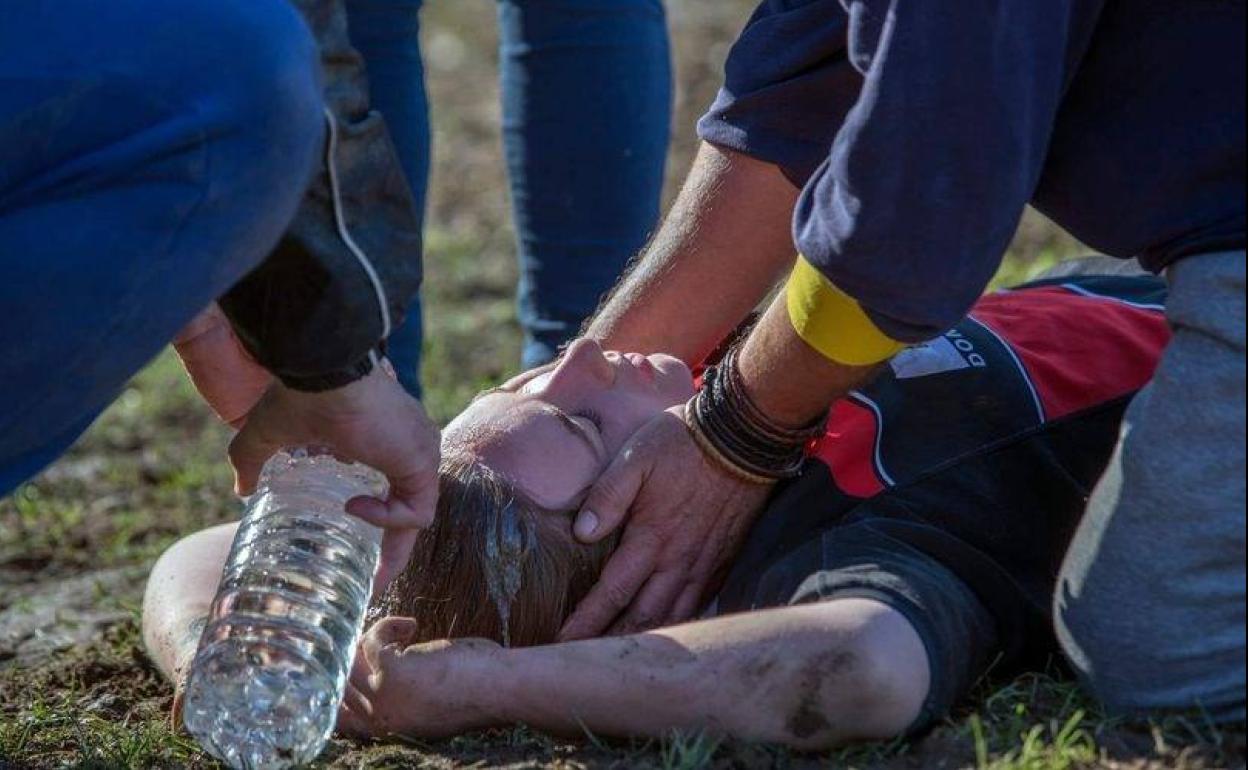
x=918 y=130
x=788 y=85
x=315 y=312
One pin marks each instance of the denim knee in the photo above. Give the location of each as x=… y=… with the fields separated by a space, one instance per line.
x=590 y=6
x=397 y=7
x=272 y=80
x=243 y=70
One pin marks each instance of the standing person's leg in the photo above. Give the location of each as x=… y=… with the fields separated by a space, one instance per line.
x=387 y=35
x=149 y=157
x=586 y=112
x=1150 y=605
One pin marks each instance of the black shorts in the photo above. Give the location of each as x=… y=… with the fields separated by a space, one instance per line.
x=969 y=554
x=950 y=488
x=861 y=560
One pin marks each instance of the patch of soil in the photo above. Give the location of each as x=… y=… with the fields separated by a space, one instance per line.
x=111 y=678
x=47 y=616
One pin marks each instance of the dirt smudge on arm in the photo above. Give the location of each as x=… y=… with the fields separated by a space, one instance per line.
x=832 y=669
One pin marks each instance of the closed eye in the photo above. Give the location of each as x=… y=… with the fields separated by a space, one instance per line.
x=592 y=416
x=578 y=429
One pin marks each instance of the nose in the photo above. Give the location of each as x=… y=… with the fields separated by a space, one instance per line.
x=583 y=359
x=583 y=346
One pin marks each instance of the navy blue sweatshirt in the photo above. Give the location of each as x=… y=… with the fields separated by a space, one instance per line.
x=920 y=129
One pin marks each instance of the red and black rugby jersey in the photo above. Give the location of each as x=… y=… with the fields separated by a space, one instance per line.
x=1022 y=358
x=977 y=450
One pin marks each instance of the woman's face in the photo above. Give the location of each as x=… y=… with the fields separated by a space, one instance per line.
x=553 y=430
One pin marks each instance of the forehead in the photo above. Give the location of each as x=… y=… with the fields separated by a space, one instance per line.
x=522 y=438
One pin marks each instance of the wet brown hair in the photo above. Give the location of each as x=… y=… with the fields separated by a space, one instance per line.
x=494 y=565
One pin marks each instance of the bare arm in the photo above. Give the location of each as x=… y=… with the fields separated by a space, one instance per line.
x=179 y=593
x=810 y=676
x=787 y=378
x=724 y=245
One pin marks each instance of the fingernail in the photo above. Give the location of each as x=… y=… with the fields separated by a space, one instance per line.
x=586 y=524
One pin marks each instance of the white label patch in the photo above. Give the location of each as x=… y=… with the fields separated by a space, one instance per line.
x=944 y=354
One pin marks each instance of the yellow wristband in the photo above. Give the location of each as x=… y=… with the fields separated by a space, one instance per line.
x=832 y=322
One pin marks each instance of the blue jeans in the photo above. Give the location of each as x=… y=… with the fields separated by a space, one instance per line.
x=148 y=160
x=586 y=90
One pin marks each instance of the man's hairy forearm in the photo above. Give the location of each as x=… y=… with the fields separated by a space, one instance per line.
x=722 y=247
x=788 y=380
x=811 y=676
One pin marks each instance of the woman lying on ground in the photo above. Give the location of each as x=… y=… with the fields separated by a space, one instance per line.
x=909 y=556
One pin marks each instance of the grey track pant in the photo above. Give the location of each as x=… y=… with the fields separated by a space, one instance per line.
x=1150 y=601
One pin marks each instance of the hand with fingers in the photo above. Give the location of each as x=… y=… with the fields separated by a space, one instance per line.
x=220 y=368
x=372 y=420
x=417 y=690
x=684 y=519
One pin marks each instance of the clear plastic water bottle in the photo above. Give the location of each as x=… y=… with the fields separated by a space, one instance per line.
x=266 y=682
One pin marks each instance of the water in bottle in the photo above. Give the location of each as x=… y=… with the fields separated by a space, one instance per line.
x=266 y=682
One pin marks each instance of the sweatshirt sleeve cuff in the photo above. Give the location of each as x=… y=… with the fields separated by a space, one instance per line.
x=832 y=322
x=335 y=379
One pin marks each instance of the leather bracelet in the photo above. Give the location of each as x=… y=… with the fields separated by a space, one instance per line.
x=691 y=423
x=732 y=430
x=755 y=418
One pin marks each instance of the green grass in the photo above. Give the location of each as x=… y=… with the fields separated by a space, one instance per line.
x=685 y=751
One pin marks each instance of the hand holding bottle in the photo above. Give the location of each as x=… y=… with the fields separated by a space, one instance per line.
x=372 y=421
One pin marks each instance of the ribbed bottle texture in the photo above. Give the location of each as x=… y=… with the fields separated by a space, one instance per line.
x=264 y=687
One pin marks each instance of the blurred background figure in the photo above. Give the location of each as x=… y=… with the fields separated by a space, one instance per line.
x=586 y=108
